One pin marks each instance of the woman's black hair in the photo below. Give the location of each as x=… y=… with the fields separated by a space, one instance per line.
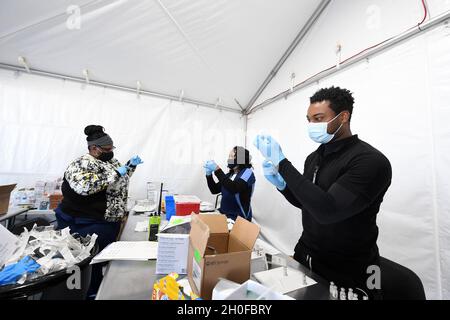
x=242 y=158
x=94 y=132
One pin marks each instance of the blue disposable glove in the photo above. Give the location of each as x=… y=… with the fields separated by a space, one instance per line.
x=272 y=175
x=12 y=273
x=122 y=170
x=210 y=166
x=269 y=148
x=135 y=161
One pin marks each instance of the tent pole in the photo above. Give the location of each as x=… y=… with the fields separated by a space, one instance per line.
x=245 y=130
x=118 y=87
x=303 y=32
x=389 y=44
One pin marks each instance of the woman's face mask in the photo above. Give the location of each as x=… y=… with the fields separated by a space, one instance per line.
x=105 y=155
x=231 y=162
x=318 y=131
x=231 y=165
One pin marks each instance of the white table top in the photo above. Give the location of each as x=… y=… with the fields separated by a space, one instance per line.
x=12 y=212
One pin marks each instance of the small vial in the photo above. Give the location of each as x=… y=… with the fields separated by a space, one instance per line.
x=355 y=296
x=335 y=293
x=331 y=287
x=350 y=294
x=342 y=295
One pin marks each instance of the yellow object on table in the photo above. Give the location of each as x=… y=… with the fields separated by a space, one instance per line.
x=168 y=288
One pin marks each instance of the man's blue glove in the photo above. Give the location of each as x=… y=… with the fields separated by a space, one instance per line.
x=269 y=148
x=135 y=161
x=122 y=170
x=12 y=273
x=272 y=175
x=210 y=166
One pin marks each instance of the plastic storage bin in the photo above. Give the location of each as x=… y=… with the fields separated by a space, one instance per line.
x=185 y=205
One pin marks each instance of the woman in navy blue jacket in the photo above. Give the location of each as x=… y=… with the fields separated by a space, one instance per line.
x=236 y=186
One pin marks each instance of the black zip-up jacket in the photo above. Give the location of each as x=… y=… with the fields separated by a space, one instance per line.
x=340 y=193
x=238 y=186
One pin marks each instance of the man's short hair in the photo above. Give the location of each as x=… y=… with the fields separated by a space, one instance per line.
x=340 y=99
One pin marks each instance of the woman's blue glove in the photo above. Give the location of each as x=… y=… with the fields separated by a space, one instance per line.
x=12 y=273
x=135 y=161
x=122 y=170
x=269 y=148
x=272 y=175
x=210 y=166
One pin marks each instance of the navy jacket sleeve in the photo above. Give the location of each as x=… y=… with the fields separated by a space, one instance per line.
x=367 y=176
x=214 y=187
x=236 y=186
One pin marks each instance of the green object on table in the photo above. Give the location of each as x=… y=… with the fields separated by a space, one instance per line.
x=177 y=221
x=153 y=227
x=154 y=220
x=197 y=256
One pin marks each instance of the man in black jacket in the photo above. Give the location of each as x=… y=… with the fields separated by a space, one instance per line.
x=339 y=193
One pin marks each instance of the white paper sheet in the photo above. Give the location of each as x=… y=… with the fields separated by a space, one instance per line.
x=278 y=281
x=141 y=226
x=128 y=250
x=8 y=245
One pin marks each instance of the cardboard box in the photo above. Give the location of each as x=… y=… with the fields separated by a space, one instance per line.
x=55 y=200
x=216 y=253
x=173 y=246
x=5 y=193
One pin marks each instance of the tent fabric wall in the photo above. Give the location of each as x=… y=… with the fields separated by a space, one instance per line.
x=402 y=109
x=402 y=105
x=355 y=25
x=439 y=102
x=160 y=43
x=42 y=122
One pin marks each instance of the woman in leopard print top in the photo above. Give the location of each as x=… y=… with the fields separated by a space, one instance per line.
x=95 y=192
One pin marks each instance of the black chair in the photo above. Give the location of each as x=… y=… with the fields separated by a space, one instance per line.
x=399 y=282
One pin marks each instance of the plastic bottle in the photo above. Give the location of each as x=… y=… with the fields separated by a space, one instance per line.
x=333 y=290
x=170 y=206
x=151 y=193
x=331 y=287
x=350 y=294
x=335 y=293
x=342 y=295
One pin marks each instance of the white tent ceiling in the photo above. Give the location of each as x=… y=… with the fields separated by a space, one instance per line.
x=209 y=49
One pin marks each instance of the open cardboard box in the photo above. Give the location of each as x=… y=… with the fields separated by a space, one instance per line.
x=216 y=253
x=5 y=193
